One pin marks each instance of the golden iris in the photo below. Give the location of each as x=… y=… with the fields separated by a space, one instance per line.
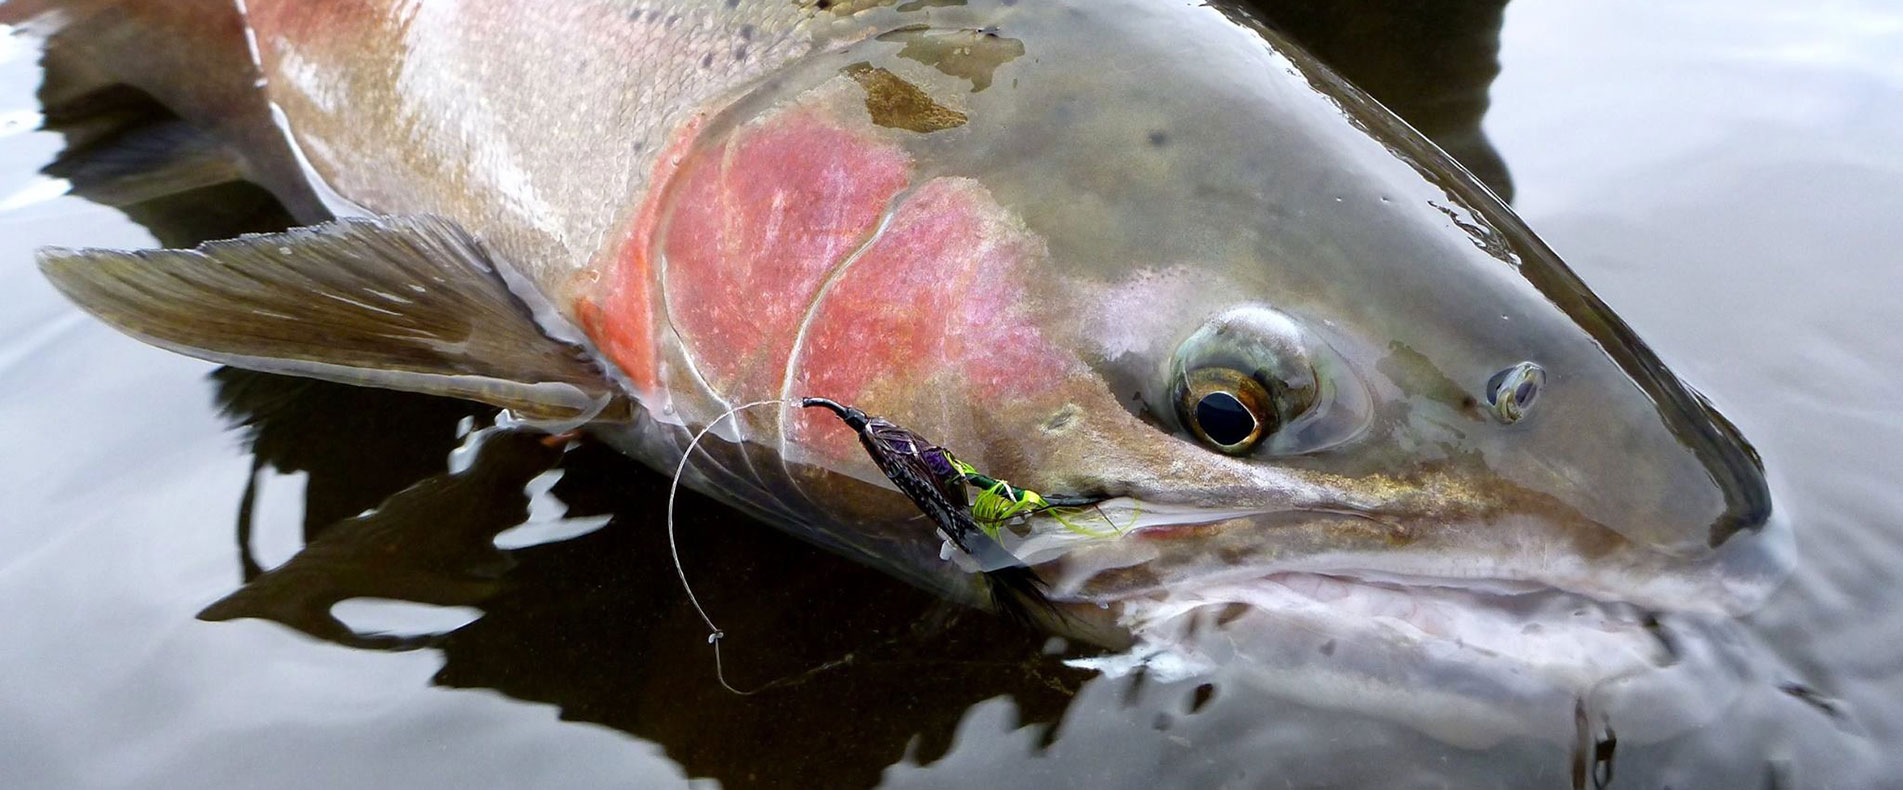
x=1226 y=409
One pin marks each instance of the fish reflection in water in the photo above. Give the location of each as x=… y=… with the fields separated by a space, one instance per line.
x=598 y=624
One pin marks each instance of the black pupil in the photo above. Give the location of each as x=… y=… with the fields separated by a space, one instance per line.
x=1224 y=419
x=1524 y=394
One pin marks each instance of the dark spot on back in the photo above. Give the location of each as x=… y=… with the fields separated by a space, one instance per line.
x=707 y=61
x=746 y=32
x=1159 y=139
x=740 y=52
x=1328 y=648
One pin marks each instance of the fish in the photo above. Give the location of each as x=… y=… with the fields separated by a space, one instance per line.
x=1350 y=424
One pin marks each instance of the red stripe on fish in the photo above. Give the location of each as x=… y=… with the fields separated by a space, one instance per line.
x=326 y=22
x=620 y=315
x=936 y=303
x=755 y=229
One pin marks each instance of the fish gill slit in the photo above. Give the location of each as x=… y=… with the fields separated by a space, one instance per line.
x=825 y=289
x=741 y=433
x=728 y=208
x=662 y=226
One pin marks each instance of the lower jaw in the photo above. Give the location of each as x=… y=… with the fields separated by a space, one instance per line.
x=1468 y=667
x=1533 y=628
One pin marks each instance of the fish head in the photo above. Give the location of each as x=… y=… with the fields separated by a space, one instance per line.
x=1161 y=259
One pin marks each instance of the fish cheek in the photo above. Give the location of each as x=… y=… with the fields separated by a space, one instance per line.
x=799 y=254
x=932 y=327
x=733 y=243
x=756 y=227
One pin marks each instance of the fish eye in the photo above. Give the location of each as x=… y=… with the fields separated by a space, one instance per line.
x=1226 y=409
x=1252 y=379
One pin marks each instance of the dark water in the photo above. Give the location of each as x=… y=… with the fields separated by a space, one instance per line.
x=190 y=598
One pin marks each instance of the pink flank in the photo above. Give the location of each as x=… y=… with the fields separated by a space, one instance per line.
x=755 y=230
x=935 y=305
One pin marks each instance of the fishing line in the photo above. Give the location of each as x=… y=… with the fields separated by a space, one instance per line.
x=714 y=634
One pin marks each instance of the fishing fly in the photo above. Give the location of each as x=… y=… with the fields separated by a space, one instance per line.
x=939 y=485
x=1000 y=504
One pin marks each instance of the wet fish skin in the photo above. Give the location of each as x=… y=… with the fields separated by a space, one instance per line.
x=765 y=200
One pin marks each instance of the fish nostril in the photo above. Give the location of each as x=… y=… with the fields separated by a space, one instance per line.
x=1511 y=392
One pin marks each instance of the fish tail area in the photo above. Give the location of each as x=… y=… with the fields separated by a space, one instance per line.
x=159 y=99
x=1018 y=595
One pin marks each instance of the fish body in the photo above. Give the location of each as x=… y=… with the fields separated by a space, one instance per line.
x=1139 y=251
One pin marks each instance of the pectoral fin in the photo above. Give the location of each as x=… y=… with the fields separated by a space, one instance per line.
x=407 y=303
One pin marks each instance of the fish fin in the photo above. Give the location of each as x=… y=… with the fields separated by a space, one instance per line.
x=409 y=303
x=1018 y=595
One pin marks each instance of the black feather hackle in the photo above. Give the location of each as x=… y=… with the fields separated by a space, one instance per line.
x=927 y=475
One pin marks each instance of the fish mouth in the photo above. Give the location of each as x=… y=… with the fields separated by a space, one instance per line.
x=1469 y=632
x=1171 y=560
x=1468 y=661
x=1531 y=622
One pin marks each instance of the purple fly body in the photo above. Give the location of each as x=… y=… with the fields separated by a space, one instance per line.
x=924 y=472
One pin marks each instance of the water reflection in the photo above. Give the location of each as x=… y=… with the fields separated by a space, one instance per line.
x=1432 y=63
x=598 y=625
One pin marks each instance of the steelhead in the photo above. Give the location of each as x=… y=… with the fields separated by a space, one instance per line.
x=1353 y=426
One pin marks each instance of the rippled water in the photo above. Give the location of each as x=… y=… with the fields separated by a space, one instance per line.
x=176 y=542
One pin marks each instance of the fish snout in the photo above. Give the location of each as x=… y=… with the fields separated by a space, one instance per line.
x=1737 y=469
x=1653 y=460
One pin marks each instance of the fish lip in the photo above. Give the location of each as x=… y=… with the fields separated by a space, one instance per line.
x=1479 y=595
x=1528 y=639
x=1173 y=531
x=1485 y=613
x=1657 y=588
x=1486 y=590
x=1160 y=557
